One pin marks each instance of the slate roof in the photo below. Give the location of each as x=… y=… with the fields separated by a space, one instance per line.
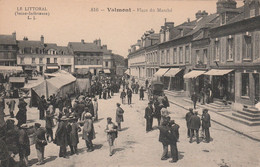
x=84 y=47
x=7 y=40
x=30 y=44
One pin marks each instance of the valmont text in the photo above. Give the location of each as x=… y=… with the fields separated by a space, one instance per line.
x=119 y=10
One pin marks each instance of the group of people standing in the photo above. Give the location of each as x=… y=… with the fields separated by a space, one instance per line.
x=194 y=123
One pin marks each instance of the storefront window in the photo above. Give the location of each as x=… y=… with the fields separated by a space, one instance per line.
x=245 y=84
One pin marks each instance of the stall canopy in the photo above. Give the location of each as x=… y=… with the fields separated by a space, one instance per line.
x=218 y=72
x=11 y=69
x=106 y=71
x=161 y=72
x=172 y=72
x=60 y=84
x=194 y=74
x=127 y=72
x=17 y=79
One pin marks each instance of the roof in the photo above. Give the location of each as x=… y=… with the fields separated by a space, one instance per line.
x=84 y=47
x=31 y=44
x=7 y=39
x=51 y=46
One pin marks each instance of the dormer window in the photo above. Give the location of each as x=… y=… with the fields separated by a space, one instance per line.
x=252 y=13
x=167 y=34
x=181 y=32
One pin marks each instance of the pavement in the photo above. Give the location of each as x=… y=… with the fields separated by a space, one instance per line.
x=251 y=132
x=134 y=147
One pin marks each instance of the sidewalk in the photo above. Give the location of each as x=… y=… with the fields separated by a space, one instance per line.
x=252 y=132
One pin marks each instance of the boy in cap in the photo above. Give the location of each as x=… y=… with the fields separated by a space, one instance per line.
x=119 y=115
x=24 y=145
x=40 y=142
x=149 y=117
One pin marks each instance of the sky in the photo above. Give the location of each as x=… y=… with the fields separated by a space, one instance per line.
x=73 y=20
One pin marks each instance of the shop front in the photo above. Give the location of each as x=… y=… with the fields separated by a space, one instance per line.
x=174 y=79
x=222 y=83
x=195 y=81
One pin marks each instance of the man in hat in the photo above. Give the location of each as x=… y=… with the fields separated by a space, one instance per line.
x=195 y=126
x=40 y=142
x=62 y=136
x=157 y=112
x=111 y=130
x=42 y=106
x=163 y=138
x=149 y=117
x=187 y=117
x=119 y=115
x=73 y=135
x=49 y=122
x=174 y=137
x=129 y=93
x=21 y=115
x=24 y=145
x=206 y=124
x=142 y=93
x=2 y=113
x=88 y=132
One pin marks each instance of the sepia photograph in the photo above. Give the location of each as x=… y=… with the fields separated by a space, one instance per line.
x=129 y=83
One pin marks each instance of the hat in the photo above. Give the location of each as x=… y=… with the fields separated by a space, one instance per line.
x=172 y=122
x=205 y=110
x=118 y=104
x=64 y=118
x=190 y=109
x=109 y=118
x=88 y=115
x=24 y=126
x=37 y=125
x=150 y=102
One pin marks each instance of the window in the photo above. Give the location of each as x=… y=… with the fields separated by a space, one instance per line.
x=84 y=61
x=22 y=60
x=252 y=12
x=223 y=18
x=197 y=56
x=48 y=60
x=175 y=55
x=230 y=48
x=33 y=60
x=248 y=47
x=91 y=61
x=41 y=60
x=181 y=54
x=168 y=56
x=187 y=54
x=98 y=61
x=79 y=62
x=205 y=56
x=162 y=57
x=106 y=63
x=55 y=60
x=10 y=47
x=217 y=50
x=245 y=84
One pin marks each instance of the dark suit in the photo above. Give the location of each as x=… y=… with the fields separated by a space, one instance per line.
x=187 y=117
x=195 y=126
x=62 y=138
x=40 y=140
x=205 y=125
x=174 y=136
x=149 y=118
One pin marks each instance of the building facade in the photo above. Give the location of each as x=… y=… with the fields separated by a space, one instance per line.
x=43 y=56
x=235 y=49
x=8 y=50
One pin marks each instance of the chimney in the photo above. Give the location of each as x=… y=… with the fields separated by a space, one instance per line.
x=25 y=38
x=14 y=35
x=42 y=38
x=82 y=41
x=224 y=5
x=104 y=47
x=99 y=42
x=188 y=20
x=200 y=14
x=169 y=24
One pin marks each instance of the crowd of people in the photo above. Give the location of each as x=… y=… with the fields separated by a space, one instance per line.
x=69 y=117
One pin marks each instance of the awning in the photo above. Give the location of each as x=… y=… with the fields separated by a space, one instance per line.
x=127 y=72
x=194 y=74
x=161 y=72
x=218 y=72
x=172 y=72
x=52 y=67
x=17 y=79
x=107 y=71
x=88 y=66
x=11 y=68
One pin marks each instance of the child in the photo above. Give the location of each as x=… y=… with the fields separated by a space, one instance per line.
x=111 y=130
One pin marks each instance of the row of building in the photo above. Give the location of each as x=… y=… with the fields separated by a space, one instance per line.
x=41 y=56
x=219 y=51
